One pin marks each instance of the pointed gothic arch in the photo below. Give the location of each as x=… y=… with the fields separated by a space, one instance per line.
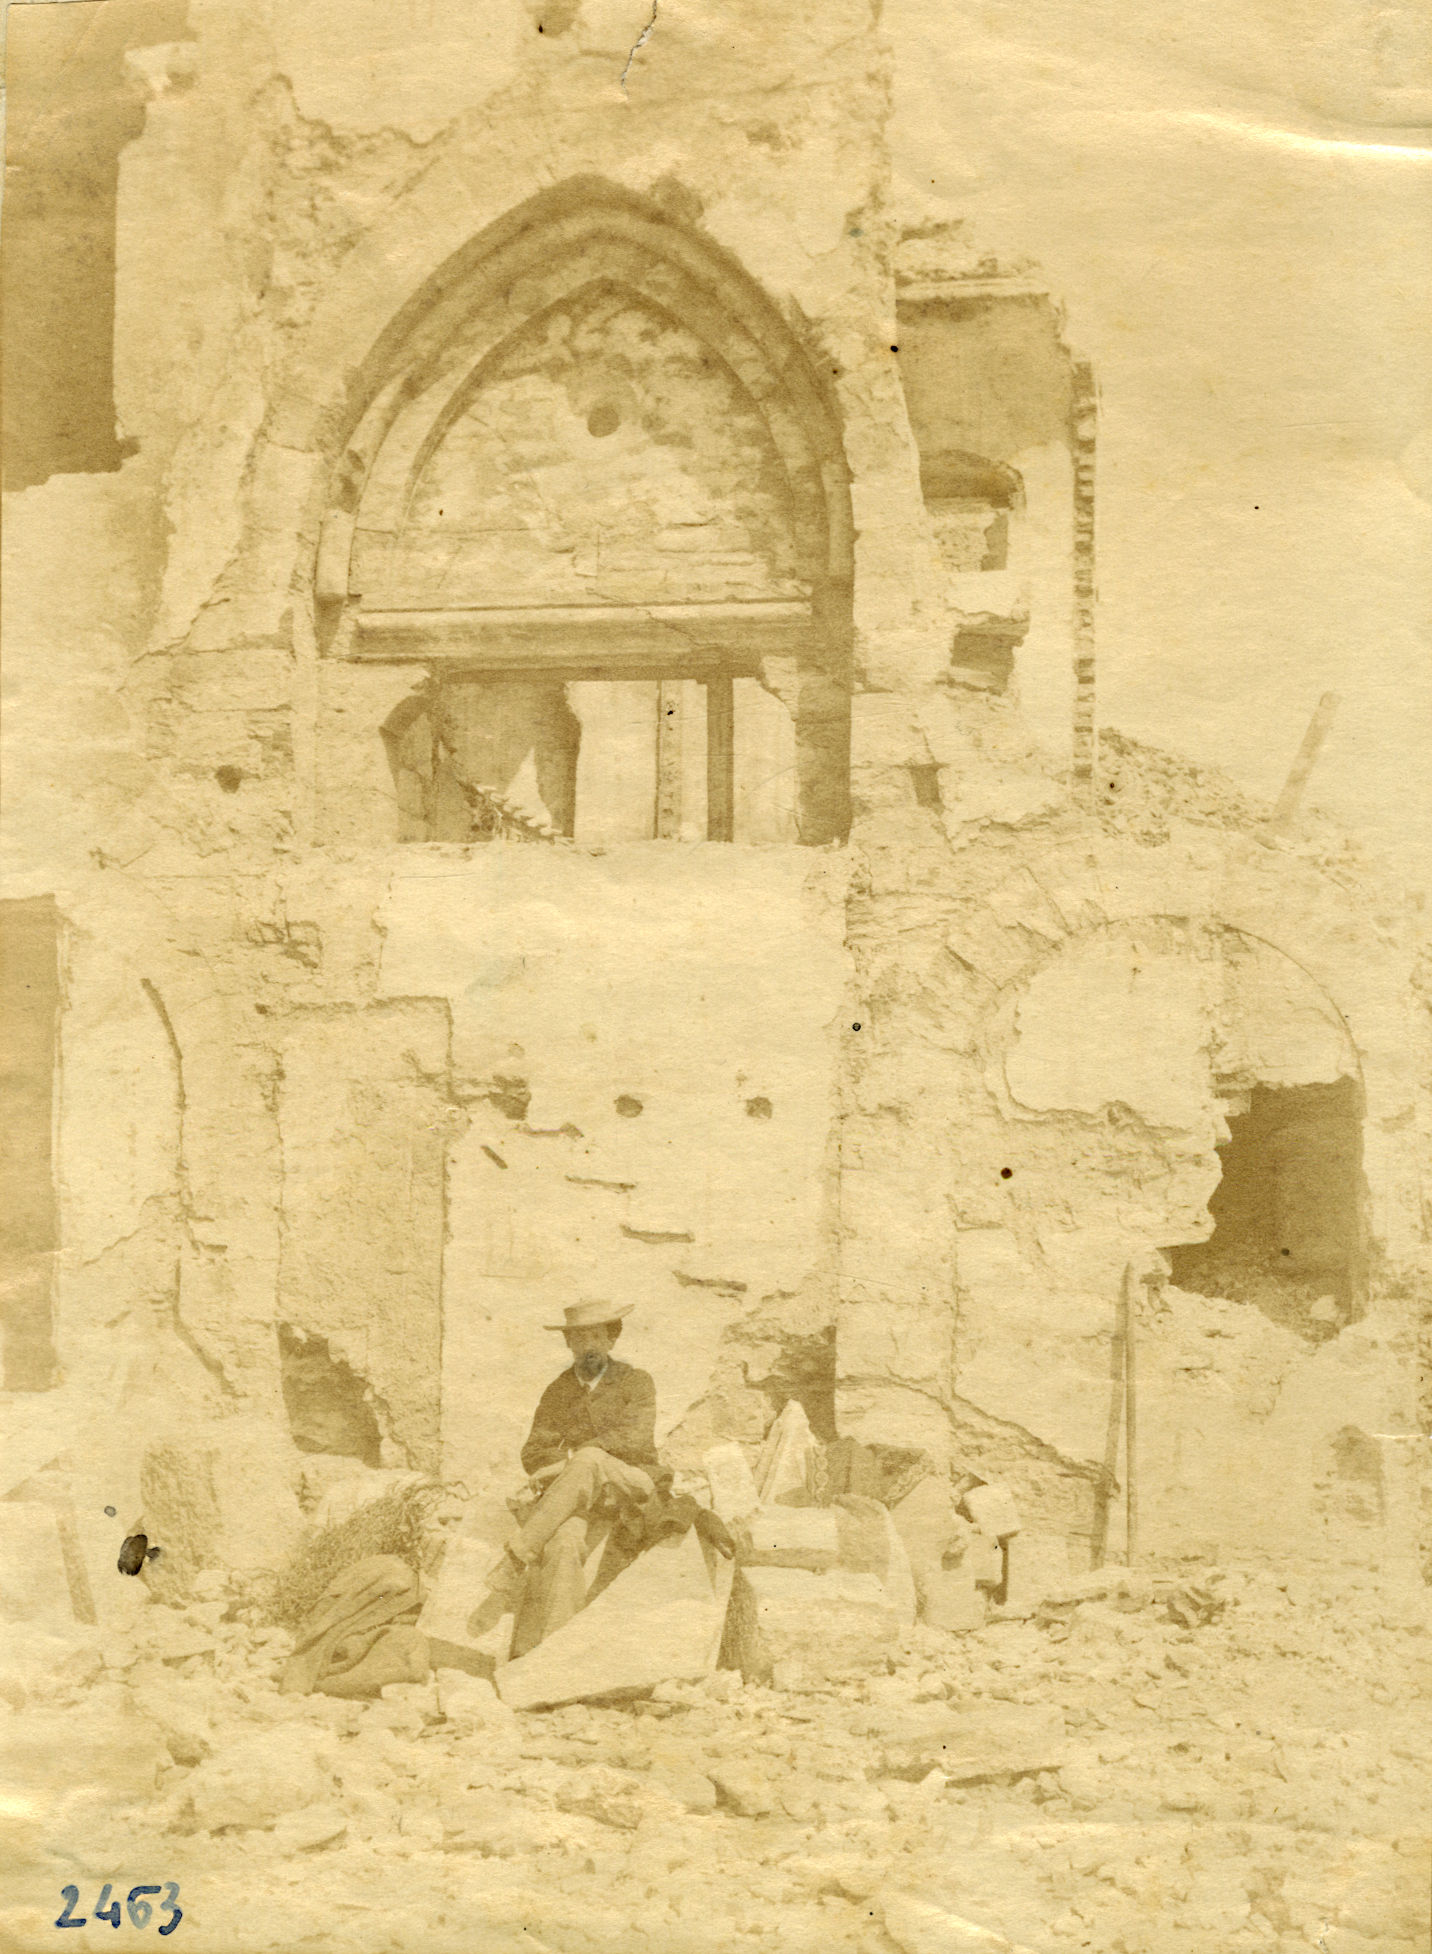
x=591 y=452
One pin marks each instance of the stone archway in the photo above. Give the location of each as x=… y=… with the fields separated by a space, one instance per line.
x=591 y=457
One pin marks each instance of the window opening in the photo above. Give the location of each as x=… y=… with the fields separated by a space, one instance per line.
x=477 y=758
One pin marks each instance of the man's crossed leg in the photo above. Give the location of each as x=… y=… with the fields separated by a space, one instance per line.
x=552 y=1547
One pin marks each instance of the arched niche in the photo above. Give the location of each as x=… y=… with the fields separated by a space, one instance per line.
x=591 y=463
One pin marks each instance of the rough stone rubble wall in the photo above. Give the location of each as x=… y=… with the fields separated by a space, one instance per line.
x=382 y=1093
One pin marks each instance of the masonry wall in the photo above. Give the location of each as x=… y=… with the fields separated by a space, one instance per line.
x=819 y=1112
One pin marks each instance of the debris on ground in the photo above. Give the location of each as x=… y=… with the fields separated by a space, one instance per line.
x=1130 y=1770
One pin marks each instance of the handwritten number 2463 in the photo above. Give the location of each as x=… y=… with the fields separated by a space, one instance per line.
x=137 y=1906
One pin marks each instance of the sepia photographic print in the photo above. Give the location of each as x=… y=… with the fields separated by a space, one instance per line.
x=715 y=1051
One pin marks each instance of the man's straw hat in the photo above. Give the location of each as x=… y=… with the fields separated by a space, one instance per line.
x=584 y=1316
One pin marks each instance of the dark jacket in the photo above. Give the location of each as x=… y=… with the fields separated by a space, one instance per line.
x=618 y=1413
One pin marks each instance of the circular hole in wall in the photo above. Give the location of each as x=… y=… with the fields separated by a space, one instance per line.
x=1006 y=1173
x=605 y=418
x=758 y=1108
x=228 y=778
x=628 y=1107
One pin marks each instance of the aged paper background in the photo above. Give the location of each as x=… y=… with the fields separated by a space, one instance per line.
x=767 y=666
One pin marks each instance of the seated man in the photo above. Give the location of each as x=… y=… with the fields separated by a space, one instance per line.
x=592 y=1448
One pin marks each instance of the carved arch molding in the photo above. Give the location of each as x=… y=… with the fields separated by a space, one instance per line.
x=591 y=450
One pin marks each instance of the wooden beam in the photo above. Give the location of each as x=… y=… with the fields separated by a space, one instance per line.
x=720 y=758
x=1318 y=728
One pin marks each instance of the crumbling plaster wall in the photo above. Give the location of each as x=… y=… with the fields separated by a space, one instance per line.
x=285 y=1011
x=1051 y=1017
x=255 y=968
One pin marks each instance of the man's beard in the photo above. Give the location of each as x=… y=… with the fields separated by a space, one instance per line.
x=591 y=1363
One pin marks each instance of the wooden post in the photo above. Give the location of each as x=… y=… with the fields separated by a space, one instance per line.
x=1109 y=1479
x=720 y=758
x=1302 y=766
x=1131 y=1425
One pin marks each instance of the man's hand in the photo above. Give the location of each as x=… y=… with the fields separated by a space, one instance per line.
x=537 y=1480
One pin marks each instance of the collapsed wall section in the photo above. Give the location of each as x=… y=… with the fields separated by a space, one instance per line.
x=1062 y=1032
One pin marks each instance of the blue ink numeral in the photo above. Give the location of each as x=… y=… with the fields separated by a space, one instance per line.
x=138 y=1907
x=140 y=1911
x=71 y=1897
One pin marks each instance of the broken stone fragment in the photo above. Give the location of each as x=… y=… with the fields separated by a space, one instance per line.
x=745 y=1791
x=870 y=1544
x=182 y=1711
x=62 y=1771
x=988 y=1740
x=785 y=1471
x=34 y=1583
x=253 y=1782
x=732 y=1488
x=221 y=1495
x=466 y=1626
x=793 y=1536
x=1036 y=1566
x=823 y=1622
x=993 y=1510
x=680 y=1781
x=422 y=1697
x=472 y=1704
x=919 y=1926
x=305 y=1831
x=953 y=1599
x=169 y=1636
x=659 y=1620
x=927 y=1522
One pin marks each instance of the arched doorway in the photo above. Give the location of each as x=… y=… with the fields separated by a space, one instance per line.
x=594 y=491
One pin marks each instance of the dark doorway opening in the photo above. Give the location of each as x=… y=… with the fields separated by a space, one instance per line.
x=326 y=1401
x=1286 y=1233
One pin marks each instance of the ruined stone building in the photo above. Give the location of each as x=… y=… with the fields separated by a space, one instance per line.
x=550 y=626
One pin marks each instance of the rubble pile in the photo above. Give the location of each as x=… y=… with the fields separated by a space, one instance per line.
x=1204 y=1757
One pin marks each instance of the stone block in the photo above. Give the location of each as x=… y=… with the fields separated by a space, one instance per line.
x=34 y=1582
x=166 y=1635
x=220 y=1495
x=993 y=1510
x=823 y=1622
x=926 y=1521
x=466 y=1626
x=989 y=1740
x=794 y=1536
x=733 y=1489
x=869 y=1544
x=1037 y=1567
x=985 y=1559
x=471 y=1703
x=786 y=1468
x=951 y=1598
x=660 y=1620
